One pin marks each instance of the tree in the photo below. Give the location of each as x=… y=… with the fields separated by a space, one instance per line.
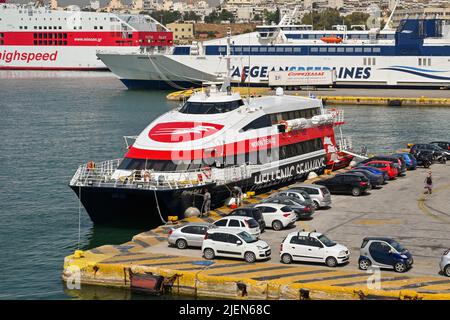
x=165 y=17
x=213 y=17
x=270 y=17
x=191 y=16
x=257 y=17
x=356 y=18
x=226 y=15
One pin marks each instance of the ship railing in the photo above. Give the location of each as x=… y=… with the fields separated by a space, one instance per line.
x=105 y=174
x=345 y=144
x=337 y=114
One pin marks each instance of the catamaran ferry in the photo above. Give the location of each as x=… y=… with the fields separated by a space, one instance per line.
x=215 y=141
x=416 y=54
x=34 y=37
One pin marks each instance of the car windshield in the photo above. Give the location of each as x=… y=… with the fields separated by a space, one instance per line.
x=397 y=246
x=327 y=242
x=247 y=237
x=435 y=147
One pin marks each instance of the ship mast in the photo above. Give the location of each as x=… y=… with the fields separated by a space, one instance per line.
x=227 y=80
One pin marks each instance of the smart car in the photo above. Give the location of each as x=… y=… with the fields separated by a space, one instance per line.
x=384 y=253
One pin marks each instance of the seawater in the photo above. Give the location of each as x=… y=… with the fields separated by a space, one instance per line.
x=51 y=123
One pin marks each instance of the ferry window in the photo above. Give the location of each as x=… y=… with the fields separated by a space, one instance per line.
x=263 y=49
x=95 y=27
x=271 y=49
x=65 y=35
x=237 y=49
x=376 y=50
x=50 y=36
x=373 y=61
x=20 y=27
x=365 y=61
x=288 y=49
x=210 y=107
x=45 y=42
x=323 y=49
x=367 y=50
x=255 y=49
x=65 y=43
x=297 y=49
x=35 y=27
x=340 y=49
x=40 y=27
x=45 y=28
x=261 y=122
x=34 y=35
x=45 y=36
x=331 y=49
x=60 y=42
x=25 y=27
x=358 y=49
x=40 y=42
x=60 y=28
x=101 y=27
x=348 y=49
x=222 y=49
x=280 y=49
x=429 y=61
x=35 y=42
x=314 y=49
x=246 y=49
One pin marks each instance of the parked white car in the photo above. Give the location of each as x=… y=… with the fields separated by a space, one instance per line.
x=234 y=244
x=277 y=216
x=247 y=224
x=312 y=247
x=445 y=263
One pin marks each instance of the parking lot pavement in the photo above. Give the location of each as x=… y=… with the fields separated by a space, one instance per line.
x=399 y=210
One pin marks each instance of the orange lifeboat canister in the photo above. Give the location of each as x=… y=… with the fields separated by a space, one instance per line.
x=331 y=39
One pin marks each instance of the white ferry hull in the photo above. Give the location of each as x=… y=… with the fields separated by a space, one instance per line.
x=158 y=71
x=55 y=57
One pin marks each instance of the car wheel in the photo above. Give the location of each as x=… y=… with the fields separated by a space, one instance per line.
x=208 y=253
x=356 y=192
x=447 y=270
x=250 y=257
x=316 y=205
x=277 y=225
x=286 y=258
x=331 y=262
x=400 y=267
x=364 y=264
x=181 y=244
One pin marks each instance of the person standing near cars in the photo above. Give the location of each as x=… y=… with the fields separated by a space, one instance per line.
x=429 y=183
x=206 y=203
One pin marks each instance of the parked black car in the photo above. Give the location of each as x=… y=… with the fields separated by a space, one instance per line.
x=438 y=153
x=254 y=213
x=424 y=158
x=302 y=209
x=397 y=160
x=443 y=144
x=353 y=183
x=376 y=180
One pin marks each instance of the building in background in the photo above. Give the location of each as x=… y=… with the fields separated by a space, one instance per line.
x=442 y=11
x=183 y=32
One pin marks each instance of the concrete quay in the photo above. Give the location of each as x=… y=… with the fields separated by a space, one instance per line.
x=399 y=209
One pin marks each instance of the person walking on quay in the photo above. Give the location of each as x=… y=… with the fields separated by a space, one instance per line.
x=429 y=183
x=206 y=203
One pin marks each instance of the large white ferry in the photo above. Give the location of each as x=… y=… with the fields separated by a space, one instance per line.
x=34 y=37
x=216 y=140
x=416 y=54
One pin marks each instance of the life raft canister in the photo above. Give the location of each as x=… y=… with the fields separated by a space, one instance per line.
x=90 y=165
x=207 y=172
x=331 y=39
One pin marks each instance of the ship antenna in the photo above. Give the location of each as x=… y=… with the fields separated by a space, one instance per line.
x=227 y=80
x=386 y=26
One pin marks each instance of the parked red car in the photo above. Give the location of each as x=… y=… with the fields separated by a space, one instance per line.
x=384 y=166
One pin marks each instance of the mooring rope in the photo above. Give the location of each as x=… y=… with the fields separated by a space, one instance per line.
x=157 y=206
x=79 y=217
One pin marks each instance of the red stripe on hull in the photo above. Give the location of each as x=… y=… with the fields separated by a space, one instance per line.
x=236 y=148
x=49 y=38
x=53 y=68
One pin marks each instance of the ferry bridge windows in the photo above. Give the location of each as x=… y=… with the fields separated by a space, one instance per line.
x=210 y=108
x=369 y=61
x=261 y=122
x=299 y=148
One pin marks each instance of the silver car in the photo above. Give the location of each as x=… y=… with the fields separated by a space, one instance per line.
x=189 y=235
x=320 y=195
x=445 y=263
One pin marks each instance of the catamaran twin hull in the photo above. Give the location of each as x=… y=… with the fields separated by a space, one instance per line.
x=121 y=206
x=178 y=71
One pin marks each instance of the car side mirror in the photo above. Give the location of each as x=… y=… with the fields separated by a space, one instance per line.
x=239 y=242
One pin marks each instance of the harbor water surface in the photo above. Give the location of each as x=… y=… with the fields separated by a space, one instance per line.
x=52 y=125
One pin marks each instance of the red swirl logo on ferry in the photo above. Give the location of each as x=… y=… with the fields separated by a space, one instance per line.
x=182 y=131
